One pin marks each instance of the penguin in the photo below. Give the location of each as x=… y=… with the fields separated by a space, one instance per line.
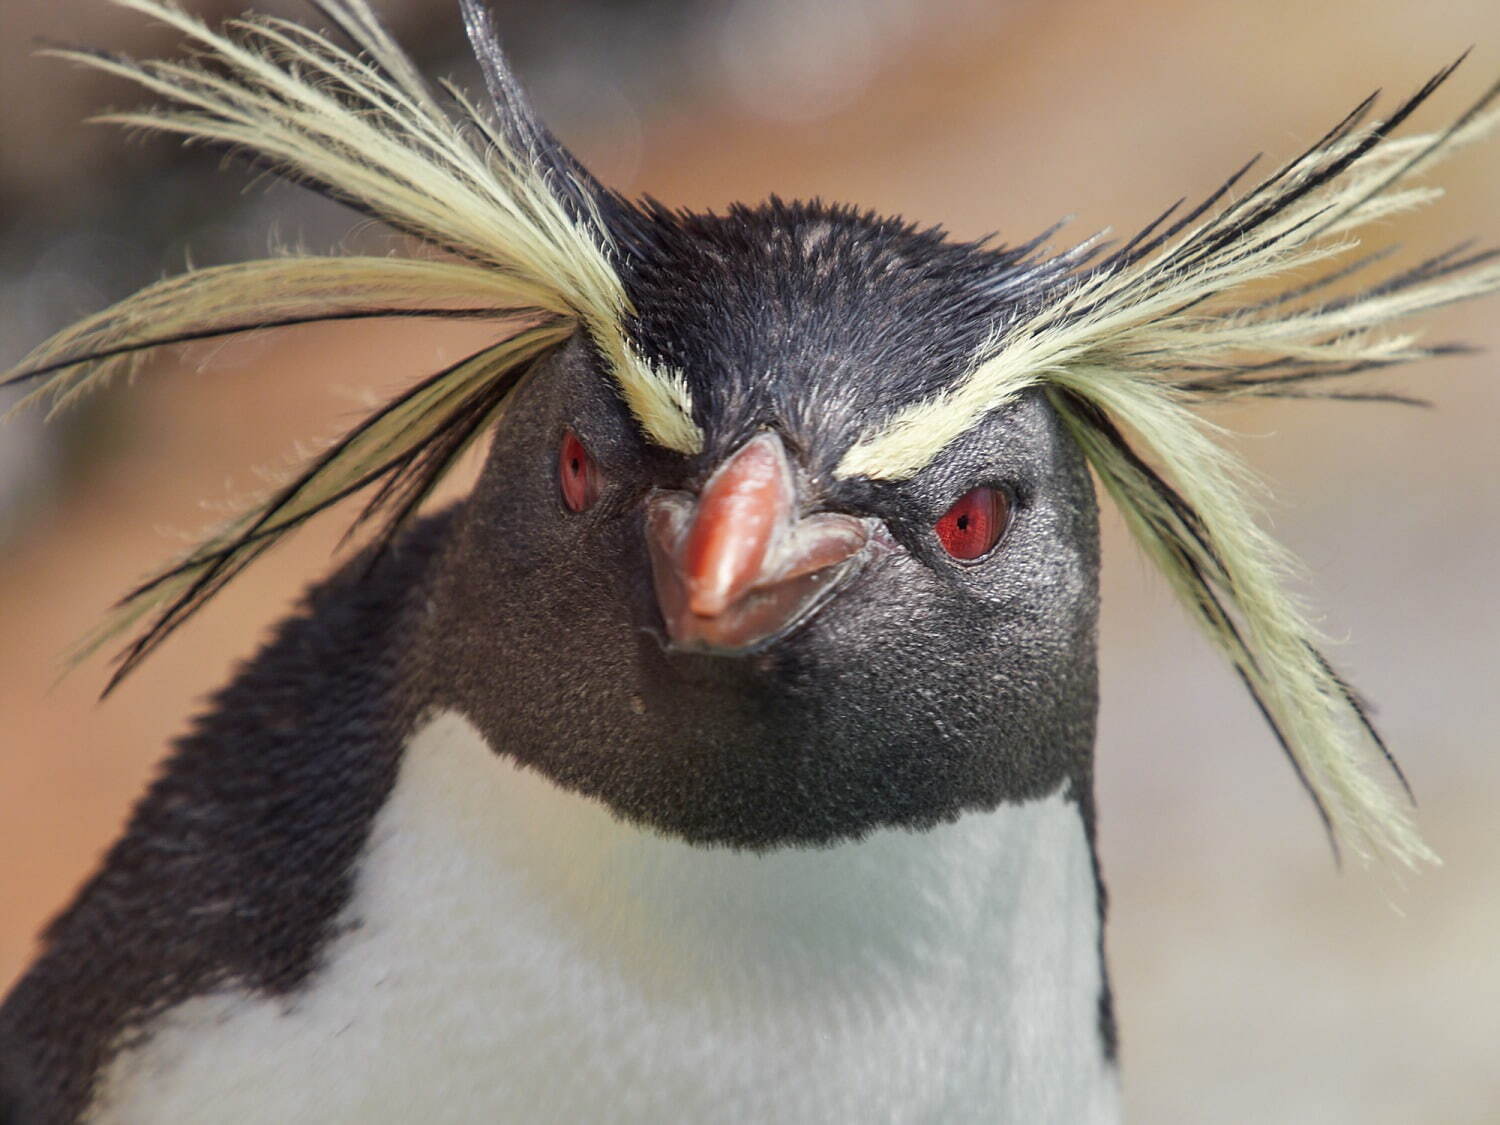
x=727 y=753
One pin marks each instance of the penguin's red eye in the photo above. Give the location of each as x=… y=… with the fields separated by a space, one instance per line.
x=972 y=527
x=577 y=474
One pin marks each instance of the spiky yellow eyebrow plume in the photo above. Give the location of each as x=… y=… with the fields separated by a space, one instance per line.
x=368 y=131
x=365 y=129
x=1130 y=343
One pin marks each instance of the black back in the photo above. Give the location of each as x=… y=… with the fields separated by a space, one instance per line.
x=238 y=859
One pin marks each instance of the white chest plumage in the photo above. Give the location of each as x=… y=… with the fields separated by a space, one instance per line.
x=514 y=953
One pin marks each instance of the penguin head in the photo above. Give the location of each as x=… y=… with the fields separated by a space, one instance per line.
x=786 y=531
x=739 y=645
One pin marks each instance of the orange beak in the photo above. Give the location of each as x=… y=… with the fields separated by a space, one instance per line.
x=736 y=567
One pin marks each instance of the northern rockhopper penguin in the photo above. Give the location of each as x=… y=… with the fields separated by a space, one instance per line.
x=727 y=753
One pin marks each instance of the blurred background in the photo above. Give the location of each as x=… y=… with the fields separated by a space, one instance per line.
x=1255 y=981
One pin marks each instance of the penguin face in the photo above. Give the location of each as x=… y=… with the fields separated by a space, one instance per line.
x=739 y=647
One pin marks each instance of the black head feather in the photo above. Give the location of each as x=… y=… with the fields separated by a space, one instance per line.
x=814 y=319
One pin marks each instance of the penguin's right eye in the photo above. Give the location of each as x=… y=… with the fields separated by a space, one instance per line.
x=577 y=474
x=970 y=529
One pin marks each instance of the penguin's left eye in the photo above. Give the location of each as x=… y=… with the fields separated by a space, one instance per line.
x=577 y=474
x=970 y=529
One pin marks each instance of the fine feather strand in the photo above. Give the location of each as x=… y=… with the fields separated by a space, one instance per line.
x=365 y=129
x=409 y=444
x=271 y=292
x=519 y=246
x=1130 y=342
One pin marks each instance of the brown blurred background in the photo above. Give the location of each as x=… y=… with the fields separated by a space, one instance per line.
x=1255 y=981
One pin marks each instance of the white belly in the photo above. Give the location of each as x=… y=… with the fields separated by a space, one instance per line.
x=515 y=954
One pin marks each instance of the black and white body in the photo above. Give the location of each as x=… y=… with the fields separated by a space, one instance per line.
x=727 y=753
x=631 y=874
